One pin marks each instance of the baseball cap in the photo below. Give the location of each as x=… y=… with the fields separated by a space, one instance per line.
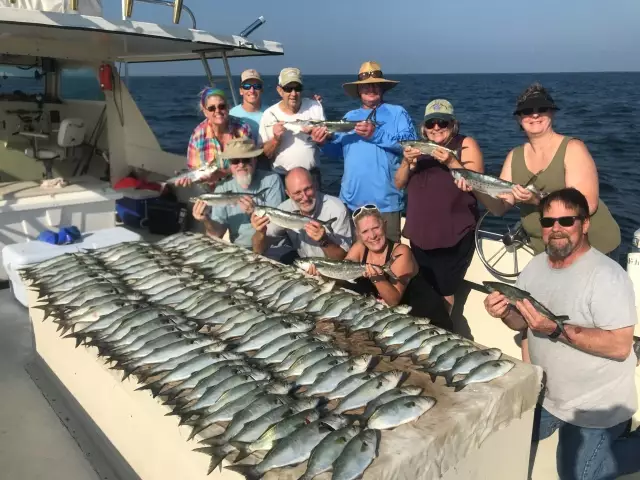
x=439 y=108
x=289 y=75
x=250 y=74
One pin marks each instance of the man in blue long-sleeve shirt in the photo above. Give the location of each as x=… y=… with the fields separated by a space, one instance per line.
x=371 y=152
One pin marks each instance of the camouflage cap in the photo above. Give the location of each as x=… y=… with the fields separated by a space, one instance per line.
x=439 y=108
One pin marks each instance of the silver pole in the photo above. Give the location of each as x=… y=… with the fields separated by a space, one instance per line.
x=207 y=68
x=227 y=70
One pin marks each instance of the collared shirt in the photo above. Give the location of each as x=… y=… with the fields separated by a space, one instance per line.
x=204 y=147
x=252 y=118
x=234 y=218
x=370 y=164
x=327 y=208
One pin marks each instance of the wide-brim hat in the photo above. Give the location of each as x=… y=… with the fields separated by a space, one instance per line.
x=240 y=148
x=370 y=72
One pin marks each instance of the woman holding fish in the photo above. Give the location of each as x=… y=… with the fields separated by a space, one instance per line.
x=211 y=135
x=550 y=161
x=440 y=219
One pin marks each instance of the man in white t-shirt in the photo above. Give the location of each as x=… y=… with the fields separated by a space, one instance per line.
x=289 y=145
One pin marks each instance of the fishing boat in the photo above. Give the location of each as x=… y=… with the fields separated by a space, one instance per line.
x=93 y=144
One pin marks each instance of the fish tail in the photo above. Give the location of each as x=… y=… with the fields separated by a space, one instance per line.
x=448 y=378
x=217 y=455
x=457 y=386
x=387 y=266
x=327 y=224
x=250 y=472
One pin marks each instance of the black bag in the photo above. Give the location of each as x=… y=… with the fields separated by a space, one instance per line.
x=166 y=216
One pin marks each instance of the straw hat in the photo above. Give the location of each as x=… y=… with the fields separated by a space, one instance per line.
x=370 y=72
x=240 y=148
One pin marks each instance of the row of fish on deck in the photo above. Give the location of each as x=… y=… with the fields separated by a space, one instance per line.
x=226 y=339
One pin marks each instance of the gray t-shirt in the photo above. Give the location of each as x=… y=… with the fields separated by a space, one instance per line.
x=327 y=207
x=595 y=292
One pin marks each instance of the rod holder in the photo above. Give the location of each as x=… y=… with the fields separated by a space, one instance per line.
x=177 y=11
x=74 y=5
x=128 y=8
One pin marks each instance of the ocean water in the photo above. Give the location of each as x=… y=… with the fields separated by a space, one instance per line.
x=602 y=109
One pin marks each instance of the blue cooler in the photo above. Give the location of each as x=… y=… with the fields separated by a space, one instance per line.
x=132 y=208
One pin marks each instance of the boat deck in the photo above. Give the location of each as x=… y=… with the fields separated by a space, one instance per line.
x=34 y=444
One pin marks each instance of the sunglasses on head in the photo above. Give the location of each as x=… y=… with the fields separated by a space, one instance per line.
x=531 y=111
x=291 y=88
x=437 y=121
x=358 y=211
x=548 y=222
x=372 y=74
x=248 y=86
x=221 y=108
x=237 y=161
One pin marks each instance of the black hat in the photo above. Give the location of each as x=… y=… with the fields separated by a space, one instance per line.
x=535 y=101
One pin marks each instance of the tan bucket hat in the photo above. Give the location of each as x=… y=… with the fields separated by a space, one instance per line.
x=370 y=72
x=240 y=148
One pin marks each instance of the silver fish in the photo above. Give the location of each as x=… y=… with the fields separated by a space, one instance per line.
x=228 y=198
x=485 y=373
x=369 y=391
x=470 y=361
x=289 y=220
x=400 y=411
x=329 y=380
x=489 y=185
x=328 y=450
x=196 y=175
x=356 y=457
x=446 y=361
x=340 y=269
x=426 y=147
x=386 y=397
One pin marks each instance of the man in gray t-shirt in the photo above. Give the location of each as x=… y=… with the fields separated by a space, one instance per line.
x=590 y=391
x=314 y=240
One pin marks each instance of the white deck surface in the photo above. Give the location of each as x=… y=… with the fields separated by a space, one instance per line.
x=34 y=444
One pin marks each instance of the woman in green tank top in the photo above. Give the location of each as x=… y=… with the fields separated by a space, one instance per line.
x=550 y=162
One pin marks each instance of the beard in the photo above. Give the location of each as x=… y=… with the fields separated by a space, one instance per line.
x=559 y=250
x=244 y=179
x=308 y=208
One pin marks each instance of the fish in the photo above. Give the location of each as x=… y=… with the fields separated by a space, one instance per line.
x=446 y=361
x=400 y=411
x=357 y=455
x=196 y=175
x=490 y=185
x=386 y=397
x=293 y=449
x=485 y=373
x=290 y=220
x=372 y=389
x=470 y=361
x=332 y=126
x=426 y=147
x=228 y=198
x=341 y=269
x=329 y=380
x=328 y=450
x=514 y=294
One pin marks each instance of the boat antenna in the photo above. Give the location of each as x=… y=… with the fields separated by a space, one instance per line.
x=253 y=27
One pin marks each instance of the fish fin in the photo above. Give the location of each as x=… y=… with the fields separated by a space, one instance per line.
x=247 y=471
x=448 y=378
x=243 y=450
x=531 y=181
x=387 y=266
x=458 y=386
x=217 y=456
x=433 y=377
x=562 y=318
x=327 y=224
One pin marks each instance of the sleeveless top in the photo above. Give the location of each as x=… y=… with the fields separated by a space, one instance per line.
x=419 y=294
x=604 y=232
x=439 y=214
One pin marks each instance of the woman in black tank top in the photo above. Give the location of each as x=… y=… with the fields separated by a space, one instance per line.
x=404 y=285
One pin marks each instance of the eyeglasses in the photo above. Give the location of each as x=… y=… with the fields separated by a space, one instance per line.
x=221 y=108
x=530 y=111
x=237 y=161
x=372 y=74
x=437 y=121
x=248 y=86
x=548 y=222
x=358 y=211
x=291 y=88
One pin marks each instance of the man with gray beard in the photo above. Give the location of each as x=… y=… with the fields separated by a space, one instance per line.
x=261 y=186
x=589 y=394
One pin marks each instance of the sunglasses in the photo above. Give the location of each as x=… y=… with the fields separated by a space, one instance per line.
x=530 y=111
x=548 y=222
x=237 y=161
x=291 y=88
x=372 y=74
x=436 y=121
x=248 y=86
x=358 y=211
x=221 y=108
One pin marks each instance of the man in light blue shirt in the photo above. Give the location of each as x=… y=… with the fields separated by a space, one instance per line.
x=250 y=110
x=371 y=152
x=260 y=186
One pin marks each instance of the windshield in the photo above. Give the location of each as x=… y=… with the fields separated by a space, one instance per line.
x=20 y=83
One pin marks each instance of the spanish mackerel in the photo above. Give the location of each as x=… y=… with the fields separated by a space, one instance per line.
x=426 y=147
x=218 y=199
x=489 y=185
x=196 y=175
x=340 y=269
x=289 y=220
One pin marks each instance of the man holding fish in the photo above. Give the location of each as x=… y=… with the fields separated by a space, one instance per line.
x=233 y=201
x=326 y=232
x=371 y=150
x=588 y=361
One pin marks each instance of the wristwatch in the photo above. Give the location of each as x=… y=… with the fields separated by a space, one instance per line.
x=324 y=241
x=556 y=333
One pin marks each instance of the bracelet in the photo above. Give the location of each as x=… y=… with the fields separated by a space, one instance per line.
x=556 y=333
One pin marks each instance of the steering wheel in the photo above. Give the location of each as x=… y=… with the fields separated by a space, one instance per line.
x=514 y=239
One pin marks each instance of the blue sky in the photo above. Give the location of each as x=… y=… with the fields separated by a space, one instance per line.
x=419 y=36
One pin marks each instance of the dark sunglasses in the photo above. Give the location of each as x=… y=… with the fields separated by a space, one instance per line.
x=237 y=161
x=548 y=222
x=358 y=211
x=221 y=108
x=291 y=88
x=248 y=86
x=436 y=121
x=531 y=111
x=373 y=74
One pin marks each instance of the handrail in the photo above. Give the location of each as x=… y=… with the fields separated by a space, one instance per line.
x=167 y=3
